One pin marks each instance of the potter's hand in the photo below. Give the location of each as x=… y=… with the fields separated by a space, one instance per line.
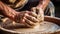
x=39 y=12
x=26 y=18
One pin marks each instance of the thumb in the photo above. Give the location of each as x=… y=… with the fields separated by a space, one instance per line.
x=33 y=9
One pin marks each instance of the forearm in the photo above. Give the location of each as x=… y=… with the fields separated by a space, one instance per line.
x=7 y=11
x=43 y=4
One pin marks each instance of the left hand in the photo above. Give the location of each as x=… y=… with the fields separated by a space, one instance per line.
x=26 y=18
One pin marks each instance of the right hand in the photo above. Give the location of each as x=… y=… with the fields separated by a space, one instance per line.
x=39 y=11
x=26 y=18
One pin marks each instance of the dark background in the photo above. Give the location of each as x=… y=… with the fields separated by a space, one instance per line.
x=57 y=7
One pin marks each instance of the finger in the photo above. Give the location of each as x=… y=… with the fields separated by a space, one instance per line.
x=33 y=9
x=24 y=24
x=33 y=14
x=27 y=25
x=33 y=19
x=21 y=23
x=29 y=22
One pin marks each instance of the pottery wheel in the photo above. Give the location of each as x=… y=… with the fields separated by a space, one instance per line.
x=47 y=26
x=43 y=27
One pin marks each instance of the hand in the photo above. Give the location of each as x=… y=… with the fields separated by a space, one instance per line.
x=39 y=12
x=26 y=18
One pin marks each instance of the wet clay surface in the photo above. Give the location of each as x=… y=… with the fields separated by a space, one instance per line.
x=43 y=27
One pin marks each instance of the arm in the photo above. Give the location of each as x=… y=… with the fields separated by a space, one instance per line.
x=43 y=4
x=40 y=8
x=7 y=11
